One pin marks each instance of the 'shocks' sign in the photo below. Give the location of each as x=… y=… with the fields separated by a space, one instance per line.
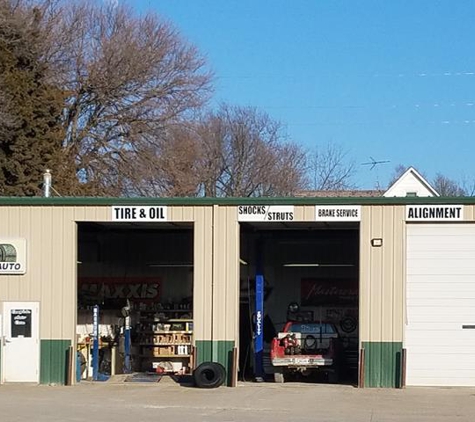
x=266 y=213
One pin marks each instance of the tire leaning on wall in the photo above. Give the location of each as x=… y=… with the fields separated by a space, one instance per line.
x=209 y=375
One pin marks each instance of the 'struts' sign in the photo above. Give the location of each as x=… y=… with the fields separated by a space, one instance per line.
x=266 y=213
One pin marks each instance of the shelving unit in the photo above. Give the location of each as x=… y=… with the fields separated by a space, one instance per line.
x=166 y=341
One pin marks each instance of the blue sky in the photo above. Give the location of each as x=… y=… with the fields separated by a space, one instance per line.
x=390 y=80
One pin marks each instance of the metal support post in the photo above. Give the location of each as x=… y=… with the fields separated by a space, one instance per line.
x=95 y=343
x=259 y=329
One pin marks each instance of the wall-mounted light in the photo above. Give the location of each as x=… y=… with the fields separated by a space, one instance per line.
x=301 y=265
x=377 y=242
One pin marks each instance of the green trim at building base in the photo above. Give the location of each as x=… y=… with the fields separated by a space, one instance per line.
x=220 y=351
x=382 y=364
x=53 y=361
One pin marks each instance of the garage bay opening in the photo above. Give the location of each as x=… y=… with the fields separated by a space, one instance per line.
x=135 y=300
x=299 y=302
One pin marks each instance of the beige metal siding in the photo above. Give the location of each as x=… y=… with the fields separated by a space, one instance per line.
x=51 y=264
x=185 y=213
x=382 y=272
x=51 y=234
x=226 y=274
x=203 y=273
x=305 y=213
x=469 y=212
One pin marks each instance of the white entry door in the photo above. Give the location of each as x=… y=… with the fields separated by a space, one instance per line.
x=440 y=330
x=20 y=340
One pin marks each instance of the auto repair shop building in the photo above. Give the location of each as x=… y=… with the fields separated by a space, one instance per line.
x=395 y=275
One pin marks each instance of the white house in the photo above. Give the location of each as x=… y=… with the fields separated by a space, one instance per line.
x=411 y=183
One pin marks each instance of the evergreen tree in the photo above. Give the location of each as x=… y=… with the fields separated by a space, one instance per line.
x=30 y=109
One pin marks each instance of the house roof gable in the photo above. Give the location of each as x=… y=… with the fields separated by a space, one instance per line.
x=410 y=176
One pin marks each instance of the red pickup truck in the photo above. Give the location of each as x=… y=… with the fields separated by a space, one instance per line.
x=304 y=347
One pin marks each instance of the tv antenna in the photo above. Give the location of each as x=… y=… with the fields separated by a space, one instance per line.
x=373 y=163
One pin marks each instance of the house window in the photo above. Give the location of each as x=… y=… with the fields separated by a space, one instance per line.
x=411 y=194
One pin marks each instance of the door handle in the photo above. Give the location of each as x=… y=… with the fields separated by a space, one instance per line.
x=468 y=327
x=5 y=341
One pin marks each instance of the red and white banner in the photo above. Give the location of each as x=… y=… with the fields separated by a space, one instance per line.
x=316 y=292
x=136 y=289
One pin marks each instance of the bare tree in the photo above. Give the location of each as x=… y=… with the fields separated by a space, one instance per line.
x=170 y=167
x=399 y=170
x=246 y=155
x=330 y=169
x=468 y=185
x=447 y=187
x=126 y=79
x=233 y=152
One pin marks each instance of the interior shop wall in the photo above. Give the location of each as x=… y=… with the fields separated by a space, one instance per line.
x=285 y=286
x=115 y=259
x=328 y=293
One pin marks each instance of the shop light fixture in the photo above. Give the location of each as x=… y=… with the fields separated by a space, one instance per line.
x=317 y=265
x=171 y=265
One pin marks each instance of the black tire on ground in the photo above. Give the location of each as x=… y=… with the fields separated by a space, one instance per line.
x=279 y=377
x=209 y=375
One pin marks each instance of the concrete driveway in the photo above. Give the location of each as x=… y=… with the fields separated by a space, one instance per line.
x=266 y=402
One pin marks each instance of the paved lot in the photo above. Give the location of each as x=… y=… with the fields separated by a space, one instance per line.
x=295 y=402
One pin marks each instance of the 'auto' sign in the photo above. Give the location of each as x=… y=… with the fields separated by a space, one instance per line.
x=12 y=256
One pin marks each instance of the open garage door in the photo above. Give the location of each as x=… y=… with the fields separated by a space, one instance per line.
x=310 y=288
x=440 y=331
x=137 y=278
